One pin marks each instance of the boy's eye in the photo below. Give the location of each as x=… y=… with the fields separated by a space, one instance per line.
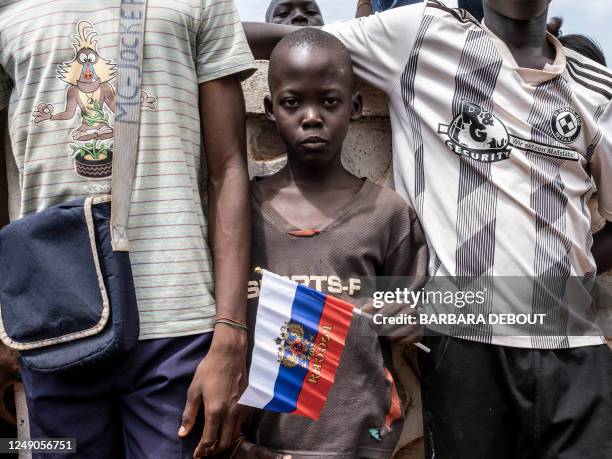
x=290 y=103
x=331 y=101
x=312 y=13
x=282 y=14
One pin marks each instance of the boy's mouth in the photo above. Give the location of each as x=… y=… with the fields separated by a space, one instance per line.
x=314 y=142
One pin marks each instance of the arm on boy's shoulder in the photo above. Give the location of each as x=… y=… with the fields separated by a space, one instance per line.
x=379 y=44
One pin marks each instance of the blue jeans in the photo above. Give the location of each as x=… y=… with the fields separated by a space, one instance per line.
x=130 y=408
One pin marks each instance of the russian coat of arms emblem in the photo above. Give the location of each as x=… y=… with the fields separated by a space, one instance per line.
x=295 y=347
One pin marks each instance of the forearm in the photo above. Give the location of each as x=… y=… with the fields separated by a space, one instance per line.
x=230 y=236
x=602 y=248
x=4 y=142
x=364 y=8
x=263 y=37
x=224 y=127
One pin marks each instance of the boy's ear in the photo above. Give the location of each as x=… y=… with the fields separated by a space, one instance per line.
x=357 y=107
x=269 y=108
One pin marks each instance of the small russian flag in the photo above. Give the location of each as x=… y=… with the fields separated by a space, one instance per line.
x=299 y=338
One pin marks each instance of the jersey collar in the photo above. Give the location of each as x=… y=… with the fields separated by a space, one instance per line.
x=534 y=76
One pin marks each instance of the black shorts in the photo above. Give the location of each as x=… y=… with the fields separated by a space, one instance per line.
x=485 y=401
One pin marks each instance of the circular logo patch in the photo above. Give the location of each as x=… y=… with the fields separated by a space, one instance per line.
x=566 y=125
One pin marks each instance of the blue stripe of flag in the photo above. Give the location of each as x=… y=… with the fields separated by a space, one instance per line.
x=306 y=310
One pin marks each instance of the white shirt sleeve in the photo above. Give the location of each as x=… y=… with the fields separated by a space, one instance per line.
x=381 y=43
x=601 y=166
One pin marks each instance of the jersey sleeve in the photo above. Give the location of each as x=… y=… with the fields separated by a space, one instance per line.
x=221 y=46
x=601 y=166
x=6 y=87
x=381 y=43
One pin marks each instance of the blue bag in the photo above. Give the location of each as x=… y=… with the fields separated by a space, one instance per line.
x=67 y=297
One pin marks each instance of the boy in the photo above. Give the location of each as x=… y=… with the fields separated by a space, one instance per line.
x=58 y=68
x=498 y=132
x=294 y=12
x=320 y=225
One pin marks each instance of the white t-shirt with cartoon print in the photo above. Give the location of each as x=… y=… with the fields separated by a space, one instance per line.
x=58 y=64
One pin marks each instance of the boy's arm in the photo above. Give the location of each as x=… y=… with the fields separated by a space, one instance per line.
x=364 y=8
x=221 y=376
x=379 y=44
x=263 y=37
x=222 y=59
x=601 y=168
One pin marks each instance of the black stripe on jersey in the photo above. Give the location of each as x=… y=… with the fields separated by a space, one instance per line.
x=580 y=72
x=408 y=95
x=584 y=82
x=549 y=200
x=475 y=80
x=459 y=14
x=579 y=69
x=592 y=68
x=598 y=136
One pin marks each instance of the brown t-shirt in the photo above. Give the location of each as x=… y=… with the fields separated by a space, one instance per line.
x=376 y=234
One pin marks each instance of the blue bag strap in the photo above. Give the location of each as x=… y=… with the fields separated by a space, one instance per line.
x=127 y=117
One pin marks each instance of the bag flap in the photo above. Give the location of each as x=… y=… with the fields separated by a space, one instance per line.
x=52 y=288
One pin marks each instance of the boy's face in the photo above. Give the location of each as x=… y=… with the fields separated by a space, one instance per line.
x=312 y=103
x=296 y=12
x=520 y=10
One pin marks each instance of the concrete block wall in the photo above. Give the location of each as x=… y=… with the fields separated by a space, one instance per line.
x=367 y=149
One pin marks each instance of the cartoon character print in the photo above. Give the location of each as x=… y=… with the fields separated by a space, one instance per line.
x=88 y=76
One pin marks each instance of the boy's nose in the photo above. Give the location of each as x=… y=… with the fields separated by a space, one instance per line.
x=299 y=19
x=312 y=119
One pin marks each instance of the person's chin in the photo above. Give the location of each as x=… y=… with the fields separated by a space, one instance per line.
x=313 y=157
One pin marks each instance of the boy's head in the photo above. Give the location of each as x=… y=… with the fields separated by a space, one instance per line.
x=520 y=10
x=294 y=12
x=313 y=97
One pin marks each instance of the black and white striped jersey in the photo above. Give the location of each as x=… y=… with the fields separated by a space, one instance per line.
x=499 y=161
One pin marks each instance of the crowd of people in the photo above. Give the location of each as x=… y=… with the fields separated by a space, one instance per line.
x=502 y=132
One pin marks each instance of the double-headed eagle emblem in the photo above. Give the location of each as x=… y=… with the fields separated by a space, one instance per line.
x=294 y=346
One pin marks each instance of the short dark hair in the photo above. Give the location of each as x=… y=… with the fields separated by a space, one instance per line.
x=579 y=43
x=317 y=39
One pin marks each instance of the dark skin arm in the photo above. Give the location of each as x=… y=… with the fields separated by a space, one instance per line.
x=364 y=8
x=221 y=377
x=263 y=37
x=602 y=248
x=9 y=366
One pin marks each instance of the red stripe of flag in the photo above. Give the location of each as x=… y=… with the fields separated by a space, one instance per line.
x=329 y=343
